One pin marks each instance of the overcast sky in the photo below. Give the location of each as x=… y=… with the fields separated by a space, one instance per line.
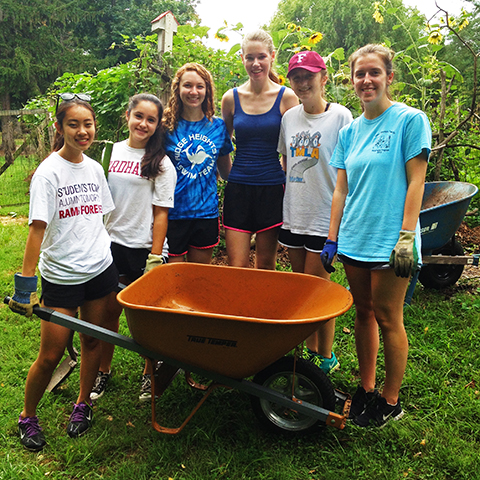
x=255 y=13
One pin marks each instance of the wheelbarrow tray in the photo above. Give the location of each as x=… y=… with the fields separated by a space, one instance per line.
x=227 y=320
x=443 y=207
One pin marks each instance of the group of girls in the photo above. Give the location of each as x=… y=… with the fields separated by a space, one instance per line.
x=326 y=197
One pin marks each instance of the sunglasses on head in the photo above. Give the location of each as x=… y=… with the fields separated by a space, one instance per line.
x=68 y=97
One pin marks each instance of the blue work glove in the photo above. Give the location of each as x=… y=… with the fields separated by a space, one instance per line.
x=328 y=255
x=404 y=257
x=25 y=297
x=154 y=260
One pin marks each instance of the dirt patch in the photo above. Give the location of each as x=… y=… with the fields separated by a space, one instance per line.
x=469 y=238
x=13 y=220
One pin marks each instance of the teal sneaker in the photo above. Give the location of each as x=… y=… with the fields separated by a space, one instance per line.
x=328 y=365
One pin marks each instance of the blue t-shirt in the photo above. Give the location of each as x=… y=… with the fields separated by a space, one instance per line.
x=256 y=157
x=193 y=148
x=374 y=154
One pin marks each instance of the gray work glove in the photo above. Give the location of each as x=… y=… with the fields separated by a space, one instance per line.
x=154 y=261
x=404 y=257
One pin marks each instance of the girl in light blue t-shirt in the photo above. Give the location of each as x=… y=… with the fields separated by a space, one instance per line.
x=381 y=159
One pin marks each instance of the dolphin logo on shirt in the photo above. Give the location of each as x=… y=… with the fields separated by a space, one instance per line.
x=198 y=157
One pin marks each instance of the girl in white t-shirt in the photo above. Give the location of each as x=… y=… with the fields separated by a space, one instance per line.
x=308 y=136
x=68 y=197
x=142 y=182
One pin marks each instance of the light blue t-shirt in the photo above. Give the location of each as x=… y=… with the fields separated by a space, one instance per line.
x=193 y=148
x=374 y=154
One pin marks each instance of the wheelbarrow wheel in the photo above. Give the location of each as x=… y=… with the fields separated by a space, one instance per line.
x=310 y=385
x=440 y=276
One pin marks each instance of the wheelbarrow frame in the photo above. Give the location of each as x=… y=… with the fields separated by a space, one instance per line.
x=439 y=224
x=169 y=369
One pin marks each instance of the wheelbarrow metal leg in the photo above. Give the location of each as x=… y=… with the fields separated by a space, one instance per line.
x=173 y=431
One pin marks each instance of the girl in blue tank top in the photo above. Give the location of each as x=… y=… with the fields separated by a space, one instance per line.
x=254 y=193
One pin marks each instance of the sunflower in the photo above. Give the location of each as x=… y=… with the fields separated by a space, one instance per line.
x=281 y=80
x=291 y=26
x=464 y=23
x=315 y=38
x=222 y=37
x=378 y=16
x=298 y=28
x=435 y=37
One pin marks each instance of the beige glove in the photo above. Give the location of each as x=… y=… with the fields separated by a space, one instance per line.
x=25 y=297
x=153 y=261
x=404 y=257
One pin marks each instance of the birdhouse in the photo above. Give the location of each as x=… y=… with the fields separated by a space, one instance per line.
x=165 y=25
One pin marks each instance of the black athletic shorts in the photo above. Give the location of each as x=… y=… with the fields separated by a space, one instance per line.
x=252 y=208
x=311 y=243
x=73 y=296
x=130 y=262
x=201 y=233
x=368 y=265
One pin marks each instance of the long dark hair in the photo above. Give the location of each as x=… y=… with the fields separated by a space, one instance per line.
x=154 y=150
x=174 y=108
x=60 y=114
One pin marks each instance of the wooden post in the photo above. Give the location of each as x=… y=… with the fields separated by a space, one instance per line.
x=165 y=25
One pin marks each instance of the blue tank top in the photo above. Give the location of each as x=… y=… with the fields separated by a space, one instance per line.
x=256 y=157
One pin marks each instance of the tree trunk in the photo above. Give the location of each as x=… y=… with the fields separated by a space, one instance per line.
x=8 y=140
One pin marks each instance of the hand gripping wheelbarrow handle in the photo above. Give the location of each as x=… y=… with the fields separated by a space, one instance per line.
x=50 y=315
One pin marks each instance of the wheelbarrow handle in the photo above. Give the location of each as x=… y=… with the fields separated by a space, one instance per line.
x=44 y=313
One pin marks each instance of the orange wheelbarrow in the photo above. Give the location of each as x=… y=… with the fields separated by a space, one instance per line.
x=228 y=324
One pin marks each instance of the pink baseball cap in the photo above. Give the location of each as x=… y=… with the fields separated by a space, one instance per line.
x=307 y=60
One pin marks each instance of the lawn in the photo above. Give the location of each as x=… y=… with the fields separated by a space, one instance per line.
x=438 y=438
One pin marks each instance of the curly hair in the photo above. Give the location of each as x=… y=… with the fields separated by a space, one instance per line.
x=174 y=108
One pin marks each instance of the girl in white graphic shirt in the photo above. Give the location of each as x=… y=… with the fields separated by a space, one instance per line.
x=68 y=197
x=142 y=181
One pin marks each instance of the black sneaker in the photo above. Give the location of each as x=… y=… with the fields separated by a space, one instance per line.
x=361 y=399
x=100 y=385
x=146 y=388
x=80 y=419
x=378 y=413
x=31 y=435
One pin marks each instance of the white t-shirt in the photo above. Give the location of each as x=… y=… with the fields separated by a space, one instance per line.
x=71 y=198
x=308 y=141
x=131 y=223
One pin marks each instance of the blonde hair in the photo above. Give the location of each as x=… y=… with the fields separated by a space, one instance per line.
x=263 y=37
x=385 y=54
x=174 y=108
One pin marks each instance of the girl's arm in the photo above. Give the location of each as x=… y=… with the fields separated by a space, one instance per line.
x=36 y=233
x=338 y=203
x=228 y=109
x=160 y=224
x=416 y=170
x=224 y=165
x=289 y=100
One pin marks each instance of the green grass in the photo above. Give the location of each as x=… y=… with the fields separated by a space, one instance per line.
x=438 y=438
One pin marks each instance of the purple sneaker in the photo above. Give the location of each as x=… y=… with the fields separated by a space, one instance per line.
x=80 y=419
x=31 y=435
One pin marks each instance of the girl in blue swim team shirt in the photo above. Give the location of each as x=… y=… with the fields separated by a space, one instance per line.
x=198 y=144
